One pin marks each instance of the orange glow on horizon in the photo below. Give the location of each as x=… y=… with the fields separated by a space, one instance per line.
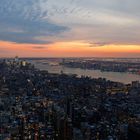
x=67 y=49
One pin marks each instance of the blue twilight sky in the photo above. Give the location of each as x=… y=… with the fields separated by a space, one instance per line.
x=47 y=21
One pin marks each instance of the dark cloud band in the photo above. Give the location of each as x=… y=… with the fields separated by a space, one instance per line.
x=22 y=22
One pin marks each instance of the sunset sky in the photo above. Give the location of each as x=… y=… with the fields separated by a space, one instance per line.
x=70 y=28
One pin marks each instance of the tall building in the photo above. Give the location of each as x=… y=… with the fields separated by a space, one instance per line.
x=16 y=59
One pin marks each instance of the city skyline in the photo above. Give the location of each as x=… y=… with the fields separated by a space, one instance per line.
x=69 y=28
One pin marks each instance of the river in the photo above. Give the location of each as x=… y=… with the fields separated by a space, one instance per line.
x=113 y=76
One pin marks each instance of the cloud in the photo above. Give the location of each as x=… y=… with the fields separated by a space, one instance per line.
x=22 y=22
x=39 y=47
x=98 y=44
x=47 y=21
x=101 y=21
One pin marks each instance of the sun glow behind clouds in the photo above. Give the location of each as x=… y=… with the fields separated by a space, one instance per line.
x=68 y=49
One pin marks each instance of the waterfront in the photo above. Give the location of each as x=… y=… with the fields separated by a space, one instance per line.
x=113 y=76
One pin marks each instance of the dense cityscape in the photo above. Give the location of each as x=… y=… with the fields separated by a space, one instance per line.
x=37 y=105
